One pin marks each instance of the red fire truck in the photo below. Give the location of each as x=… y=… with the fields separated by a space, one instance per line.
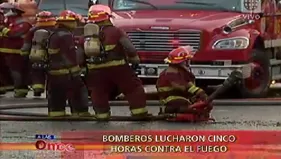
x=227 y=35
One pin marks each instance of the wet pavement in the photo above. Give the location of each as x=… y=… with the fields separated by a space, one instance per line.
x=266 y=117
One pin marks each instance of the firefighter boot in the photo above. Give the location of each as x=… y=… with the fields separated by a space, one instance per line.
x=141 y=113
x=56 y=101
x=57 y=114
x=38 y=92
x=103 y=116
x=78 y=102
x=78 y=112
x=20 y=93
x=81 y=114
x=38 y=89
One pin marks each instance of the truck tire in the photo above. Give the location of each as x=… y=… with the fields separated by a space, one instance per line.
x=257 y=86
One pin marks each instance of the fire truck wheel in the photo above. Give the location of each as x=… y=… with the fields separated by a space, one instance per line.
x=257 y=85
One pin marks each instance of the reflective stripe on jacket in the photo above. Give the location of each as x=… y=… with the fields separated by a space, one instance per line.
x=107 y=64
x=72 y=70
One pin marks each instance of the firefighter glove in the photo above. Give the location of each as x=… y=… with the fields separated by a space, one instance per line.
x=202 y=96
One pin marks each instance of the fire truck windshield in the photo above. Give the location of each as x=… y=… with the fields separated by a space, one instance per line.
x=56 y=6
x=220 y=5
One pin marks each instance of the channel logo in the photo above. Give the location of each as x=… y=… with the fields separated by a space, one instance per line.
x=46 y=142
x=251 y=6
x=45 y=137
x=54 y=146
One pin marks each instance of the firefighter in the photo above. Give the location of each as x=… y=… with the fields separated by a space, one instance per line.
x=106 y=49
x=12 y=43
x=44 y=20
x=5 y=76
x=176 y=85
x=64 y=81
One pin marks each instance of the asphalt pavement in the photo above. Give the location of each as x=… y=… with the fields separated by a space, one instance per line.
x=266 y=117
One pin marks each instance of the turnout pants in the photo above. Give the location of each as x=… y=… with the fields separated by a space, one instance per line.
x=38 y=79
x=19 y=68
x=103 y=81
x=6 y=81
x=66 y=87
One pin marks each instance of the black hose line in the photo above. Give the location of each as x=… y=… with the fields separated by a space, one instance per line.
x=113 y=118
x=23 y=114
x=242 y=102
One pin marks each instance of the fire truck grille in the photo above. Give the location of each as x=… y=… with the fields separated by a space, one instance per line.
x=164 y=41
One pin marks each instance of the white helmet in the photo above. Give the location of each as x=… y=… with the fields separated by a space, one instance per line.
x=10 y=9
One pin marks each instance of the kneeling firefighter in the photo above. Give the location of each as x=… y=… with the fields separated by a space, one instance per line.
x=38 y=59
x=107 y=48
x=63 y=72
x=176 y=88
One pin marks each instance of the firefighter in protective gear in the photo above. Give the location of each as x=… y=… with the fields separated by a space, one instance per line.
x=13 y=34
x=107 y=50
x=64 y=81
x=34 y=48
x=5 y=77
x=176 y=85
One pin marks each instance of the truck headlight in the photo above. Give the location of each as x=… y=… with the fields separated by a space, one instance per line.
x=231 y=43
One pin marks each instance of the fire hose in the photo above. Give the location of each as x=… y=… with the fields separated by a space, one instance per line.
x=234 y=78
x=241 y=102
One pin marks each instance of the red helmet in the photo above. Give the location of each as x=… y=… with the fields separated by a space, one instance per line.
x=67 y=15
x=99 y=13
x=45 y=16
x=81 y=18
x=180 y=55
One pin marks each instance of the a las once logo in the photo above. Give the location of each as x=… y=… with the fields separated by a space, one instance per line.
x=42 y=145
x=251 y=6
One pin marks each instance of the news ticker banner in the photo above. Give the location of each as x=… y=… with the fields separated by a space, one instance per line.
x=197 y=144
